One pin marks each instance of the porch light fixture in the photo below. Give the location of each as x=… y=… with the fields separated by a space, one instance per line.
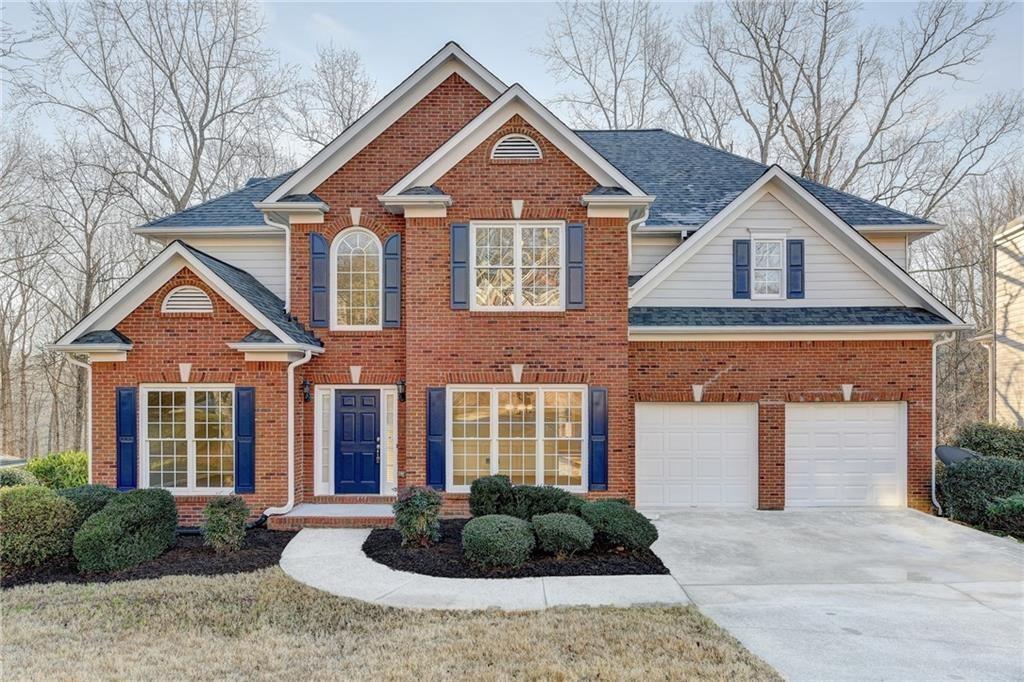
x=401 y=390
x=307 y=394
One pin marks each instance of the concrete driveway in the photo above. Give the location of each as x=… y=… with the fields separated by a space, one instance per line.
x=855 y=595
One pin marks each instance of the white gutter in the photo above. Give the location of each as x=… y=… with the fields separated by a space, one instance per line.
x=935 y=425
x=760 y=329
x=88 y=410
x=287 y=228
x=275 y=511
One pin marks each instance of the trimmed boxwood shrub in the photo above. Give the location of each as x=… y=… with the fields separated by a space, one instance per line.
x=531 y=500
x=497 y=540
x=562 y=534
x=969 y=487
x=491 y=495
x=88 y=499
x=416 y=515
x=134 y=527
x=224 y=523
x=59 y=470
x=1007 y=515
x=36 y=526
x=619 y=524
x=12 y=476
x=992 y=440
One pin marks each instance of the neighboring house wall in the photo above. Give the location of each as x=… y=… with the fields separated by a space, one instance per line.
x=262 y=257
x=1009 y=328
x=772 y=373
x=832 y=279
x=892 y=245
x=648 y=251
x=162 y=341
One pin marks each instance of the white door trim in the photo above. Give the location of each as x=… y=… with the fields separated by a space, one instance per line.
x=388 y=436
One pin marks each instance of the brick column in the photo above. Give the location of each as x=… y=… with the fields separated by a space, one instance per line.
x=771 y=465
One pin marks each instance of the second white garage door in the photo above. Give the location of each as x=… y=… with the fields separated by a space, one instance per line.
x=845 y=455
x=693 y=454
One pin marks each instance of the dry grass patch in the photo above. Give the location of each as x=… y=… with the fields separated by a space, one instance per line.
x=264 y=624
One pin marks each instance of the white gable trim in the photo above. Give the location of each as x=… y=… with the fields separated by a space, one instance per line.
x=846 y=239
x=149 y=279
x=515 y=100
x=450 y=59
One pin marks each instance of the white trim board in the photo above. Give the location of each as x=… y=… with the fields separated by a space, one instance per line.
x=448 y=60
x=814 y=213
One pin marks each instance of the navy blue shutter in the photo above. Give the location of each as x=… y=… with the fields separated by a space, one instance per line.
x=460 y=266
x=741 y=268
x=127 y=441
x=575 y=271
x=319 y=273
x=245 y=440
x=436 y=420
x=795 y=268
x=393 y=281
x=598 y=438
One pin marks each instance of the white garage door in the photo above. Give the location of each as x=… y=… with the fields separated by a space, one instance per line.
x=691 y=454
x=846 y=455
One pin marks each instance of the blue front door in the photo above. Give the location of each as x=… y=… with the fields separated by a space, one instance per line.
x=357 y=442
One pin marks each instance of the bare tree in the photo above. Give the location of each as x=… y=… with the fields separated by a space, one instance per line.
x=171 y=86
x=338 y=93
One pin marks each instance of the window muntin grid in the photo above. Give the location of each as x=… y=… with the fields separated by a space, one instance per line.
x=517 y=265
x=357 y=280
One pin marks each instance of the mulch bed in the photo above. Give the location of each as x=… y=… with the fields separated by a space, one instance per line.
x=188 y=556
x=445 y=559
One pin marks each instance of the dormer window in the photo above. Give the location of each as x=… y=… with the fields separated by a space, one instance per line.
x=187 y=299
x=516 y=147
x=768 y=271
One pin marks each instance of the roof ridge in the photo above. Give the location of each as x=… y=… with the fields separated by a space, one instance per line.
x=243 y=188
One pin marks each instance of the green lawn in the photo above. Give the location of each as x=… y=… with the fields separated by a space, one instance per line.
x=264 y=625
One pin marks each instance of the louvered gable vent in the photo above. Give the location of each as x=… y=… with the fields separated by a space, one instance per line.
x=187 y=299
x=518 y=147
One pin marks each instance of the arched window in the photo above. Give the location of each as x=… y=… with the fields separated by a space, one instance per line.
x=187 y=299
x=356 y=261
x=516 y=147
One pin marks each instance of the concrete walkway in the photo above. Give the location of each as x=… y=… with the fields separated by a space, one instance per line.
x=332 y=560
x=855 y=595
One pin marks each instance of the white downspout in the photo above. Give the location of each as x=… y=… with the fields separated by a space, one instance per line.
x=629 y=233
x=935 y=424
x=287 y=228
x=275 y=511
x=88 y=410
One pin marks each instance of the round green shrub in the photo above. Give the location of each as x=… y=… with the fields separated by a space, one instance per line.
x=12 y=476
x=224 y=523
x=491 y=495
x=1007 y=515
x=531 y=500
x=134 y=527
x=36 y=526
x=497 y=540
x=970 y=486
x=58 y=470
x=992 y=440
x=562 y=534
x=88 y=499
x=417 y=511
x=618 y=524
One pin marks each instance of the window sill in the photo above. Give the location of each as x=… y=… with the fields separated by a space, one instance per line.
x=195 y=492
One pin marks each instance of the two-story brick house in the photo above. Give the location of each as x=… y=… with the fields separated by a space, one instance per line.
x=461 y=285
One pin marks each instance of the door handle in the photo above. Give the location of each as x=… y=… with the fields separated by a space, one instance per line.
x=377 y=456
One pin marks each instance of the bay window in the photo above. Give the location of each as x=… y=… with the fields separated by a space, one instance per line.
x=188 y=442
x=532 y=434
x=517 y=265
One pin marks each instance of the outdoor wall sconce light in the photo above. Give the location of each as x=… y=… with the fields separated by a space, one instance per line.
x=401 y=390
x=307 y=394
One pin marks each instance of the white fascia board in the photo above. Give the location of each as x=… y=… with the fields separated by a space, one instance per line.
x=900 y=228
x=89 y=347
x=515 y=100
x=450 y=59
x=616 y=200
x=257 y=347
x=397 y=202
x=151 y=277
x=743 y=332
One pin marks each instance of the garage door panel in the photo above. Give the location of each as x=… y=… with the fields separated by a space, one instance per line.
x=708 y=454
x=845 y=454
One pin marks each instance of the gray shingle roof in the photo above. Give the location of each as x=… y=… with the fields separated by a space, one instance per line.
x=103 y=336
x=234 y=209
x=261 y=298
x=302 y=199
x=693 y=182
x=428 y=190
x=780 y=317
x=260 y=336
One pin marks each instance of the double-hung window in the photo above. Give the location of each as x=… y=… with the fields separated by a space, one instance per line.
x=768 y=271
x=188 y=440
x=535 y=435
x=518 y=265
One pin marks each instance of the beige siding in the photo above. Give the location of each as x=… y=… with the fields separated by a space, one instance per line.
x=1009 y=329
x=892 y=245
x=648 y=251
x=262 y=257
x=832 y=279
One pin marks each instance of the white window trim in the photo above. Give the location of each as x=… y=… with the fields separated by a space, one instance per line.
x=190 y=425
x=517 y=305
x=335 y=326
x=766 y=238
x=388 y=422
x=541 y=389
